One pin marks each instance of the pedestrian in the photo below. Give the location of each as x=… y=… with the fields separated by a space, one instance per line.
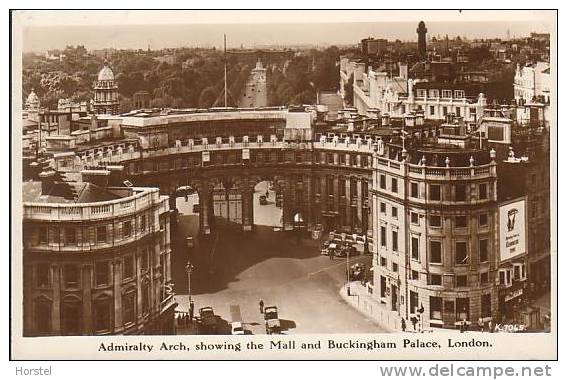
x=191 y=310
x=490 y=326
x=413 y=322
x=481 y=324
x=261 y=303
x=403 y=325
x=331 y=254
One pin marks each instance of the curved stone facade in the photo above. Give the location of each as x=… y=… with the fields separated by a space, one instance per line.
x=98 y=268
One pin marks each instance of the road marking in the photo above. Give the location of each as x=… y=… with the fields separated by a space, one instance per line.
x=324 y=269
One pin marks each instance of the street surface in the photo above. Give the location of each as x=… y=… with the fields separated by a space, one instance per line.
x=237 y=268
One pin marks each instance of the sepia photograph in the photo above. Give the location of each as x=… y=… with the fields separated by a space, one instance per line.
x=292 y=184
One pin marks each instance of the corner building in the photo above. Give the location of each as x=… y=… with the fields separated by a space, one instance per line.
x=436 y=234
x=96 y=260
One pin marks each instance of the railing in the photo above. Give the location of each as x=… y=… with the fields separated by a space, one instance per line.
x=81 y=211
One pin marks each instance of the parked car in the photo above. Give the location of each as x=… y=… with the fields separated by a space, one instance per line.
x=272 y=320
x=237 y=328
x=208 y=319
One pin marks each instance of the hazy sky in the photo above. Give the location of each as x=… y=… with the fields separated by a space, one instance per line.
x=44 y=30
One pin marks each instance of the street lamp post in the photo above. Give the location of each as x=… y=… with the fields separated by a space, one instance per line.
x=189 y=267
x=348 y=270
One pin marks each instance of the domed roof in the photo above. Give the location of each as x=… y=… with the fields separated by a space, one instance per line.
x=32 y=97
x=105 y=73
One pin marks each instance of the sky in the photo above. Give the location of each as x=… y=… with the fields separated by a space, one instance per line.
x=42 y=30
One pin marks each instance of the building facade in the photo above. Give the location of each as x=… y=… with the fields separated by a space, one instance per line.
x=96 y=260
x=533 y=83
x=106 y=93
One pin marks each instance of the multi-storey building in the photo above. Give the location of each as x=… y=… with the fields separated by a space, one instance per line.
x=96 y=259
x=533 y=82
x=435 y=229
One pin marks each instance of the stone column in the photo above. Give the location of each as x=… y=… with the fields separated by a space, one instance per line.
x=56 y=306
x=87 y=297
x=117 y=285
x=247 y=194
x=206 y=205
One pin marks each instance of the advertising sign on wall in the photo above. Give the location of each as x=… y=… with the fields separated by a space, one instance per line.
x=512 y=218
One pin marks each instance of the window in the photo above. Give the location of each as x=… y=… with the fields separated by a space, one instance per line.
x=101 y=234
x=330 y=158
x=383 y=236
x=482 y=191
x=71 y=236
x=42 y=275
x=431 y=110
x=435 y=221
x=353 y=188
x=342 y=159
x=444 y=111
x=461 y=281
x=71 y=275
x=43 y=316
x=330 y=185
x=415 y=248
x=382 y=181
x=434 y=279
x=483 y=250
x=414 y=275
x=483 y=220
x=102 y=273
x=435 y=308
x=421 y=93
x=382 y=207
x=143 y=223
x=129 y=305
x=446 y=93
x=42 y=235
x=102 y=317
x=435 y=252
x=435 y=192
x=459 y=94
x=461 y=221
x=460 y=193
x=128 y=268
x=364 y=186
x=458 y=111
x=484 y=278
x=414 y=190
x=485 y=306
x=144 y=260
x=383 y=261
x=433 y=93
x=394 y=185
x=145 y=298
x=394 y=212
x=127 y=229
x=395 y=241
x=461 y=254
x=394 y=267
x=414 y=216
x=342 y=187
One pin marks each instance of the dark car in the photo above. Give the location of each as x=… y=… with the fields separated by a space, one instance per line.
x=207 y=319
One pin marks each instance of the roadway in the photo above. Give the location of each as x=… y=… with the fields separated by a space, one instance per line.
x=236 y=268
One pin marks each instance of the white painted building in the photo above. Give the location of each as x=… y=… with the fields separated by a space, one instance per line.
x=532 y=81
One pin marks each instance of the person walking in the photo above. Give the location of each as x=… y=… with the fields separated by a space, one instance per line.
x=331 y=254
x=403 y=325
x=261 y=304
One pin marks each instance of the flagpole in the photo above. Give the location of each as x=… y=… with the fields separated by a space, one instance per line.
x=225 y=95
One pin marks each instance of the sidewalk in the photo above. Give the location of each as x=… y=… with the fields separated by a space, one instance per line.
x=362 y=301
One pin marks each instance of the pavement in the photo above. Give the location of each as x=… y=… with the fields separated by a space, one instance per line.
x=237 y=268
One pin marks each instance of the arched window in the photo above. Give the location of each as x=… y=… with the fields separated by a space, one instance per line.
x=129 y=301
